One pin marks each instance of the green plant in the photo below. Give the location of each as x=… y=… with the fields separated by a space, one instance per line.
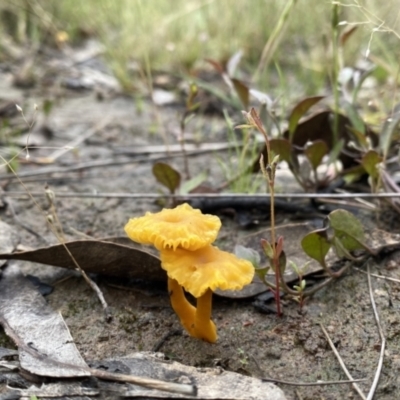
x=273 y=249
x=238 y=165
x=342 y=231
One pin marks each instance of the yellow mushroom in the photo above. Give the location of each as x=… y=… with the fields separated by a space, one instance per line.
x=179 y=303
x=180 y=227
x=202 y=271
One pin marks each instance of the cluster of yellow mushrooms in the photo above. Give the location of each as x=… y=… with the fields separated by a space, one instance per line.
x=183 y=236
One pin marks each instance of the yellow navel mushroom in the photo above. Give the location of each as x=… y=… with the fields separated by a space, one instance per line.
x=202 y=271
x=179 y=228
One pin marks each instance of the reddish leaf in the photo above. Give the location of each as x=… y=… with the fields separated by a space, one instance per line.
x=218 y=66
x=299 y=110
x=347 y=33
x=281 y=147
x=319 y=126
x=242 y=91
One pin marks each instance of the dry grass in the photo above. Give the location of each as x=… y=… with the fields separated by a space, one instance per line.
x=177 y=35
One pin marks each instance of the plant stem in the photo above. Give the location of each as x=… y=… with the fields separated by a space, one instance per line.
x=269 y=173
x=335 y=70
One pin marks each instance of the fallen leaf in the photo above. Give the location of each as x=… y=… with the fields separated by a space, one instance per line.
x=45 y=346
x=110 y=257
x=28 y=320
x=8 y=239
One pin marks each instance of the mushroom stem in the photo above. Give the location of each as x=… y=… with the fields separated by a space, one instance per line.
x=204 y=328
x=185 y=311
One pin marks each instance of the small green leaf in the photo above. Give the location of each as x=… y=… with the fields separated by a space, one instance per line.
x=360 y=137
x=354 y=117
x=193 y=183
x=167 y=176
x=193 y=91
x=47 y=106
x=282 y=262
x=299 y=110
x=242 y=91
x=262 y=272
x=267 y=248
x=370 y=161
x=315 y=152
x=248 y=254
x=347 y=228
x=388 y=130
x=341 y=250
x=335 y=152
x=316 y=245
x=294 y=266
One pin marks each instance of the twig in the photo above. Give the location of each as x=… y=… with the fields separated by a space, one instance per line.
x=71 y=145
x=59 y=232
x=387 y=278
x=318 y=383
x=355 y=386
x=180 y=388
x=291 y=383
x=186 y=197
x=382 y=337
x=98 y=164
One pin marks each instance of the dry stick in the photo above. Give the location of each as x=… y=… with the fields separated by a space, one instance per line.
x=186 y=197
x=291 y=383
x=318 y=383
x=96 y=164
x=387 y=278
x=156 y=384
x=71 y=145
x=355 y=386
x=382 y=336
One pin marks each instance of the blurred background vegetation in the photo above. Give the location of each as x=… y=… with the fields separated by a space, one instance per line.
x=177 y=36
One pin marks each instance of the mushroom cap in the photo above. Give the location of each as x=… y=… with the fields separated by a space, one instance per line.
x=206 y=268
x=179 y=227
